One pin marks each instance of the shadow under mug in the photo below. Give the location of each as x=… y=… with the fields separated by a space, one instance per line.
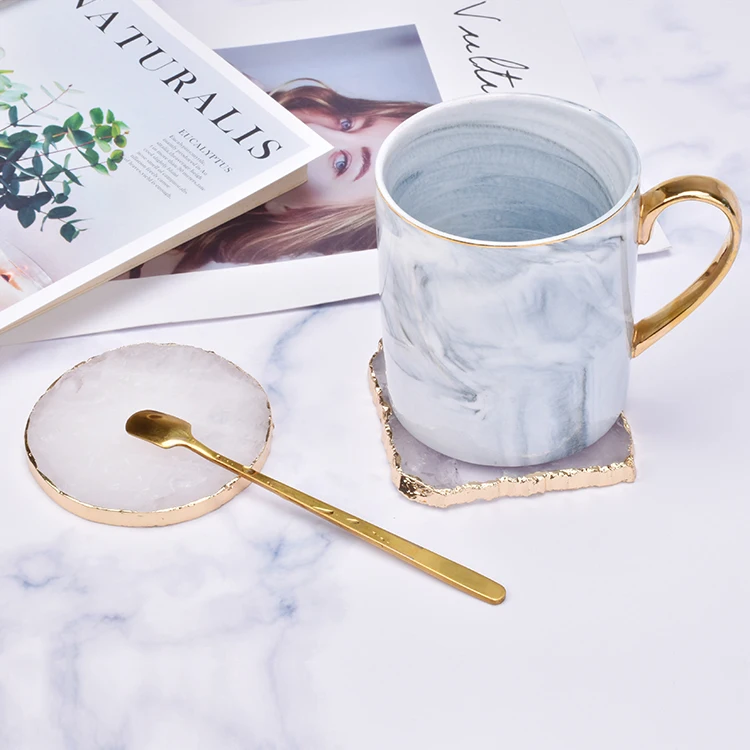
x=508 y=231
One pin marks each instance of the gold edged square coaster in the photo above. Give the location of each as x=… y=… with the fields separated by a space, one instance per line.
x=429 y=477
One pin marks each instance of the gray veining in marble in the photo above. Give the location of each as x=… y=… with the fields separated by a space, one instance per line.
x=516 y=354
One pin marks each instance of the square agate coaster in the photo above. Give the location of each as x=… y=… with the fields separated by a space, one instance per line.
x=429 y=477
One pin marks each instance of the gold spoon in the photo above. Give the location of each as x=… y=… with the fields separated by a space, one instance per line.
x=167 y=431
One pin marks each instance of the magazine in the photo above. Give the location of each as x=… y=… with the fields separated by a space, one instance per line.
x=352 y=72
x=121 y=136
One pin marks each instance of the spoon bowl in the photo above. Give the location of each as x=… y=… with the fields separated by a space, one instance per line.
x=163 y=430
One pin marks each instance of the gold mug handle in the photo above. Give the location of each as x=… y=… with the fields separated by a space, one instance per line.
x=688 y=188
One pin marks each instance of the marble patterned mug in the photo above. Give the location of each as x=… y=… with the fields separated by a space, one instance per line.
x=508 y=229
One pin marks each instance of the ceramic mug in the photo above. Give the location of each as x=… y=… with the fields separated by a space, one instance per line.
x=508 y=230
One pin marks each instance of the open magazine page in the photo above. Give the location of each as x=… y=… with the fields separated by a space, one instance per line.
x=117 y=133
x=352 y=73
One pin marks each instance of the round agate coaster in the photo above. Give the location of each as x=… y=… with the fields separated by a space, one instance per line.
x=84 y=460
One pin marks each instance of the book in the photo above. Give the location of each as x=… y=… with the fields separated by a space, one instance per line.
x=353 y=72
x=122 y=136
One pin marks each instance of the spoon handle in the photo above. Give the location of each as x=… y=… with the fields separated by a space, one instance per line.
x=458 y=576
x=440 y=567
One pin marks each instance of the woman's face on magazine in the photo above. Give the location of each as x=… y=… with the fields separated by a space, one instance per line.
x=347 y=174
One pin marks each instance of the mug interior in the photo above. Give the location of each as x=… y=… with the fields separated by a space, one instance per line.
x=508 y=168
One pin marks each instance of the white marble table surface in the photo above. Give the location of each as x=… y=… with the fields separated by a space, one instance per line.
x=628 y=612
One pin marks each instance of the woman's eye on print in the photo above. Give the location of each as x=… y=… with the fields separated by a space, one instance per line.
x=346 y=124
x=341 y=162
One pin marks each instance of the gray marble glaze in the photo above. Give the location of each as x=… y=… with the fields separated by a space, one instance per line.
x=507 y=328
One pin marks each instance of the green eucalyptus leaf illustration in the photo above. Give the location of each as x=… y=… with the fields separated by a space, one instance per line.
x=74 y=122
x=15 y=154
x=69 y=231
x=60 y=212
x=39 y=171
x=26 y=216
x=97 y=116
x=14 y=202
x=91 y=156
x=54 y=133
x=82 y=137
x=11 y=96
x=40 y=199
x=53 y=173
x=22 y=138
x=72 y=177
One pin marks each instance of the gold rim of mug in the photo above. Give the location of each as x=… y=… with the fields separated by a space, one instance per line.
x=146 y=518
x=618 y=206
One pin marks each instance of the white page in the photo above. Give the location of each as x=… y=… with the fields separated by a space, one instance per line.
x=469 y=48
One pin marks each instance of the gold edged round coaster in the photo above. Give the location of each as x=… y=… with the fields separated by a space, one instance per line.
x=141 y=519
x=203 y=503
x=426 y=476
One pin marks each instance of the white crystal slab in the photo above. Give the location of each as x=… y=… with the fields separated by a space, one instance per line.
x=83 y=458
x=426 y=476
